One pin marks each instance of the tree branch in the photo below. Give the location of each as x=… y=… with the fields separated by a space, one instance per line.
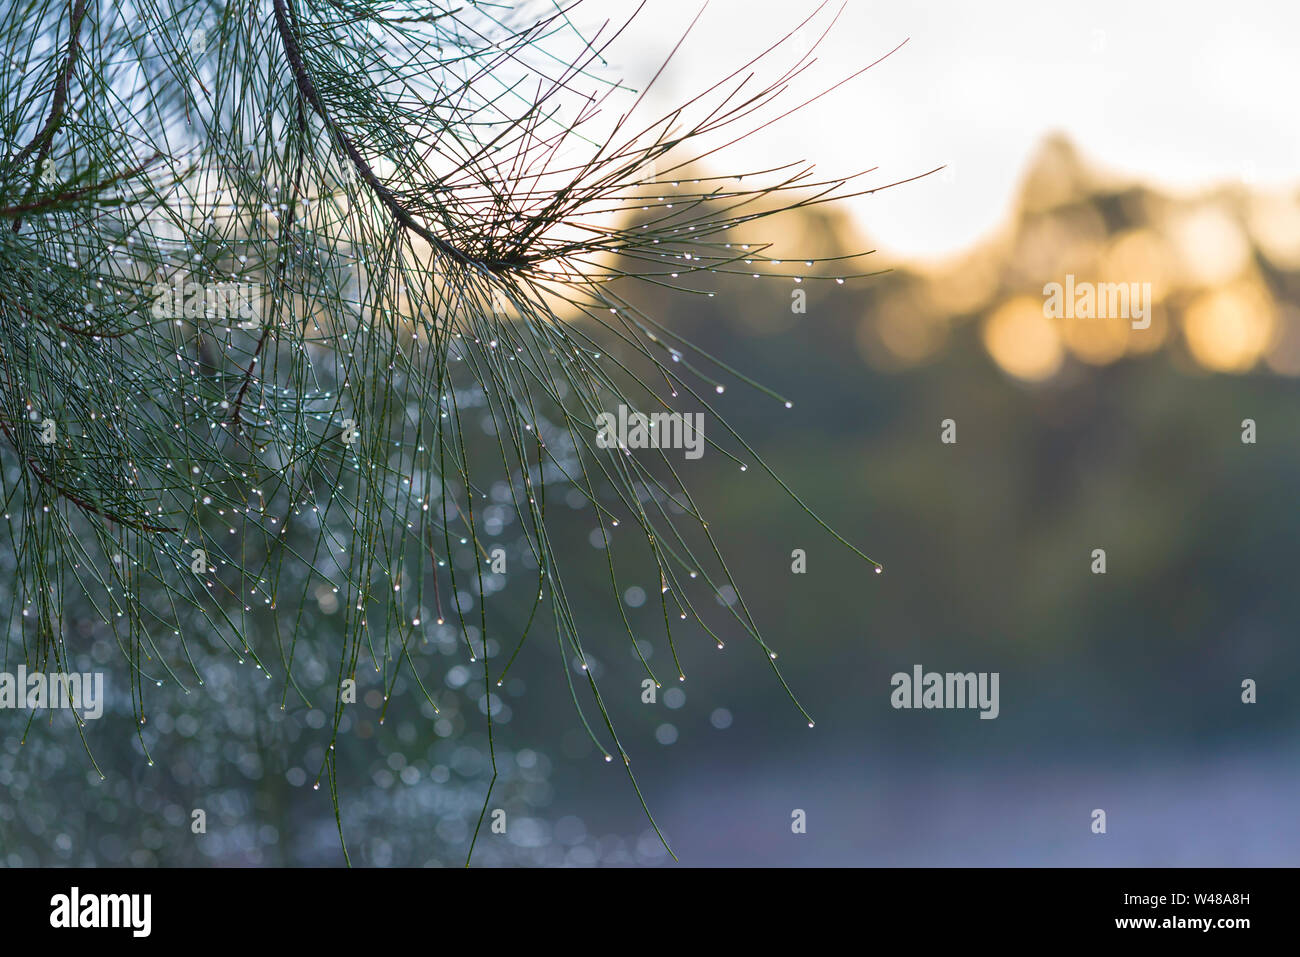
x=45 y=138
x=308 y=90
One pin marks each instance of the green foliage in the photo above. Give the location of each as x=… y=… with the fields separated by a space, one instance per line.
x=407 y=225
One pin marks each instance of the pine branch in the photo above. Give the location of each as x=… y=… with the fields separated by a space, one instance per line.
x=44 y=140
x=442 y=315
x=308 y=90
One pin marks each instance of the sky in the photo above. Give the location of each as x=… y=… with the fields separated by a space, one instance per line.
x=1180 y=95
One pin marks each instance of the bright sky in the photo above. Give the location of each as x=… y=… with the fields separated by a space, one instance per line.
x=1183 y=94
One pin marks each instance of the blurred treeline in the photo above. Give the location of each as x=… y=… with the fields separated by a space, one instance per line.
x=1072 y=436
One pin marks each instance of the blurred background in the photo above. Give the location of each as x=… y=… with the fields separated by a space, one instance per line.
x=1119 y=144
